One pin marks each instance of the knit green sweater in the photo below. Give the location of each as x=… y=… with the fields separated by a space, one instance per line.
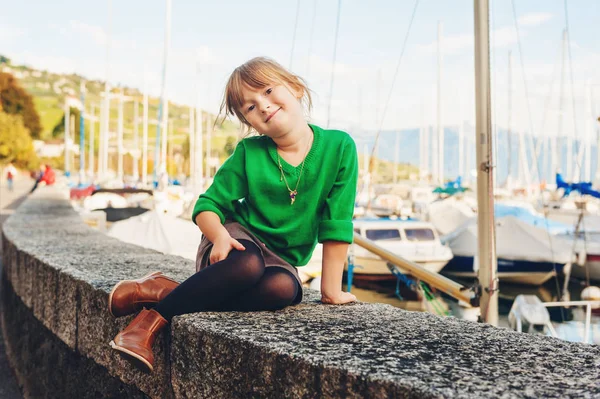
x=248 y=189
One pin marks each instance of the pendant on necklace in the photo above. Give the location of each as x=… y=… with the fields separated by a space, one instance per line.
x=293 y=196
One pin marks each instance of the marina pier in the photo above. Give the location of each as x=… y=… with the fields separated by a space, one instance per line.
x=58 y=273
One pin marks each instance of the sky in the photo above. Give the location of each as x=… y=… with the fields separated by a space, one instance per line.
x=210 y=38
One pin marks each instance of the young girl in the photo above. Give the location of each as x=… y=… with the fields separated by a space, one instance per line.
x=278 y=194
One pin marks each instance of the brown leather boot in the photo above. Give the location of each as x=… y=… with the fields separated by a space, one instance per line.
x=129 y=296
x=135 y=342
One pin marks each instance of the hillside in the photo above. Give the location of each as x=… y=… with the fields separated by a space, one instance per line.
x=50 y=90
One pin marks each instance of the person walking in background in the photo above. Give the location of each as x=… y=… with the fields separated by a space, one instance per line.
x=11 y=174
x=46 y=177
x=280 y=192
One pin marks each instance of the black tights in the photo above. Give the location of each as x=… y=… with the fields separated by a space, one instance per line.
x=239 y=282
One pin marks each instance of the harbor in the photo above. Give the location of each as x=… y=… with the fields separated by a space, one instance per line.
x=475 y=229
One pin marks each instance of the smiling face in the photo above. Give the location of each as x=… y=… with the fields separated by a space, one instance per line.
x=266 y=97
x=272 y=110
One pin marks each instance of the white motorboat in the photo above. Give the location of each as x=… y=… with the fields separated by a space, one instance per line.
x=414 y=240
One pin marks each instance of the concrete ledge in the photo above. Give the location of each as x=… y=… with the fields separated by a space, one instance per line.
x=61 y=272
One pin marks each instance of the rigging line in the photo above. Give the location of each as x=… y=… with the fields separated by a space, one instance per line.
x=546 y=107
x=337 y=29
x=524 y=78
x=580 y=145
x=578 y=163
x=371 y=163
x=493 y=88
x=509 y=124
x=535 y=155
x=310 y=41
x=294 y=35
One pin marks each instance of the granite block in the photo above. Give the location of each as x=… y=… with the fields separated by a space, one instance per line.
x=62 y=271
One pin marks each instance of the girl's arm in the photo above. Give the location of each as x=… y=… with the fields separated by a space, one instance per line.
x=334 y=257
x=211 y=226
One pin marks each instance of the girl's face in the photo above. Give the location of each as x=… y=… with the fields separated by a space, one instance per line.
x=273 y=110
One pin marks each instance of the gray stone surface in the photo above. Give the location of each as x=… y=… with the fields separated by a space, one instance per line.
x=47 y=367
x=63 y=271
x=9 y=202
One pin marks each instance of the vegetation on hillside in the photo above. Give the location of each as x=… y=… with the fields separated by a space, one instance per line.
x=16 y=144
x=16 y=101
x=49 y=91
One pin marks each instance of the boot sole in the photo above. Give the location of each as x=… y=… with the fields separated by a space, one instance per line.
x=133 y=358
x=117 y=286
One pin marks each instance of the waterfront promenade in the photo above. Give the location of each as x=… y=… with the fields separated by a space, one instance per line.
x=59 y=272
x=9 y=201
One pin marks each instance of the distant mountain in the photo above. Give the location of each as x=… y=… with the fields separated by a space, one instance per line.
x=409 y=151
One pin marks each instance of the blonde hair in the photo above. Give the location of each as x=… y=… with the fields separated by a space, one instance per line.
x=258 y=73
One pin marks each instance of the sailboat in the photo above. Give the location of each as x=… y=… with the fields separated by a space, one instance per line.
x=526 y=254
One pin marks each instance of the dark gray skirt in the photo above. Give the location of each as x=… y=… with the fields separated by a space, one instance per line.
x=239 y=232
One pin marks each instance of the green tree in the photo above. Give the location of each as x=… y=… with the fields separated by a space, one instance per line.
x=59 y=128
x=16 y=144
x=15 y=100
x=229 y=145
x=185 y=147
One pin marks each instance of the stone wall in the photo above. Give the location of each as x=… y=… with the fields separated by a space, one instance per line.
x=58 y=274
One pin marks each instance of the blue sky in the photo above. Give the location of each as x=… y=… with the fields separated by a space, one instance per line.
x=71 y=36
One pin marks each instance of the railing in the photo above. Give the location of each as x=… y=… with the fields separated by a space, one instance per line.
x=588 y=314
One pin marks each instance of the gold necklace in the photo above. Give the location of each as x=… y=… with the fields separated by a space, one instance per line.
x=294 y=192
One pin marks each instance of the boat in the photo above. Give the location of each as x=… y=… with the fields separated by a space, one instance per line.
x=159 y=231
x=526 y=254
x=587 y=247
x=411 y=239
x=448 y=214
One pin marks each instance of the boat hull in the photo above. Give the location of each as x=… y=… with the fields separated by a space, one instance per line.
x=512 y=271
x=593 y=268
x=376 y=269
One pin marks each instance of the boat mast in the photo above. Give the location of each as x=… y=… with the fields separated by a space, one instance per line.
x=440 y=127
x=597 y=176
x=424 y=141
x=120 y=136
x=136 y=141
x=105 y=117
x=485 y=179
x=198 y=180
x=82 y=133
x=461 y=139
x=509 y=124
x=560 y=113
x=163 y=111
x=67 y=135
x=91 y=141
x=587 y=140
x=145 y=133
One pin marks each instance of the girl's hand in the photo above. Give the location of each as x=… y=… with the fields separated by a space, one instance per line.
x=338 y=299
x=222 y=246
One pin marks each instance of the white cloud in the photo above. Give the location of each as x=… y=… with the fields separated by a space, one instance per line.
x=8 y=33
x=534 y=19
x=95 y=32
x=450 y=44
x=50 y=63
x=456 y=44
x=504 y=36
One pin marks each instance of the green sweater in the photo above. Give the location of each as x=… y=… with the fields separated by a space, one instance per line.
x=248 y=189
